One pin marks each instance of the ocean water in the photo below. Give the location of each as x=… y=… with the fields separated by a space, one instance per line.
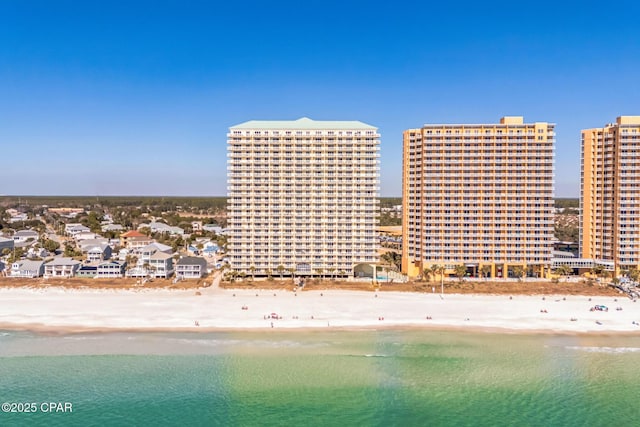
x=335 y=378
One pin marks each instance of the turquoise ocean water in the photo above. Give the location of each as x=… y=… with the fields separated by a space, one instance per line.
x=335 y=378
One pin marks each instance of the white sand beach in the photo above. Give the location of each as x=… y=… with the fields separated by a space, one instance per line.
x=60 y=309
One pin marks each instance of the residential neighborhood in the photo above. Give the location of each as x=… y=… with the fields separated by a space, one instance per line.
x=69 y=242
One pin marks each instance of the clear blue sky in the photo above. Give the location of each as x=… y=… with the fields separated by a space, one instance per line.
x=135 y=97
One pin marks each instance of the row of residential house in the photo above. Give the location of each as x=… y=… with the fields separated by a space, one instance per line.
x=151 y=259
x=159 y=266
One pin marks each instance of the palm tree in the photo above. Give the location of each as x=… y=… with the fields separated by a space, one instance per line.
x=331 y=271
x=518 y=271
x=269 y=272
x=292 y=271
x=563 y=270
x=439 y=270
x=427 y=273
x=280 y=270
x=597 y=270
x=319 y=271
x=485 y=271
x=460 y=271
x=252 y=269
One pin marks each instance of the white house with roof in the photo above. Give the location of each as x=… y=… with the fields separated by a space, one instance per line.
x=190 y=267
x=27 y=268
x=24 y=236
x=73 y=229
x=161 y=265
x=161 y=227
x=144 y=254
x=37 y=253
x=17 y=216
x=112 y=227
x=110 y=269
x=99 y=252
x=61 y=267
x=85 y=235
x=85 y=245
x=212 y=228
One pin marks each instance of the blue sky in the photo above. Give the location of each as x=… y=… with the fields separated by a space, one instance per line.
x=136 y=97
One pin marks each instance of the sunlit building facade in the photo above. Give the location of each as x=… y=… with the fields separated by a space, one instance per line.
x=610 y=193
x=303 y=197
x=479 y=195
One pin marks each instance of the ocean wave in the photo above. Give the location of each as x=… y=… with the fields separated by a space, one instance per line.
x=366 y=355
x=610 y=350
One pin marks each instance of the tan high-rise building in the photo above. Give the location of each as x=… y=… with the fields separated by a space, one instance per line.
x=303 y=197
x=610 y=193
x=479 y=195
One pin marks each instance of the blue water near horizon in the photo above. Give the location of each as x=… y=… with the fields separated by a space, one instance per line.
x=341 y=378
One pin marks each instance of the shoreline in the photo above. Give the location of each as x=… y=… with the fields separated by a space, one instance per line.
x=52 y=330
x=53 y=310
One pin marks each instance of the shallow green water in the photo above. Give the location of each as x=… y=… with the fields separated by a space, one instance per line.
x=368 y=378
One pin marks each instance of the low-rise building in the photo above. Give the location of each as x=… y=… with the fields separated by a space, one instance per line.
x=86 y=235
x=37 y=253
x=191 y=267
x=144 y=254
x=134 y=239
x=213 y=228
x=25 y=236
x=98 y=253
x=87 y=271
x=112 y=227
x=111 y=269
x=161 y=265
x=27 y=268
x=61 y=267
x=161 y=227
x=72 y=229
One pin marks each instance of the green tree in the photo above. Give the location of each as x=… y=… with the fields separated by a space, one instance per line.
x=518 y=271
x=427 y=273
x=485 y=270
x=280 y=269
x=392 y=258
x=460 y=271
x=51 y=245
x=292 y=271
x=563 y=270
x=252 y=269
x=439 y=270
x=15 y=255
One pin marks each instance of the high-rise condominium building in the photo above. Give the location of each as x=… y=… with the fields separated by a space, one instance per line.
x=610 y=196
x=480 y=196
x=303 y=196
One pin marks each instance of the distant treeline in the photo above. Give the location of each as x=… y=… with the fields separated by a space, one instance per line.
x=567 y=203
x=171 y=203
x=162 y=203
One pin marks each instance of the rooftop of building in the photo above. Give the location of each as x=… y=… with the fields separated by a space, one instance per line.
x=304 y=123
x=504 y=121
x=132 y=233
